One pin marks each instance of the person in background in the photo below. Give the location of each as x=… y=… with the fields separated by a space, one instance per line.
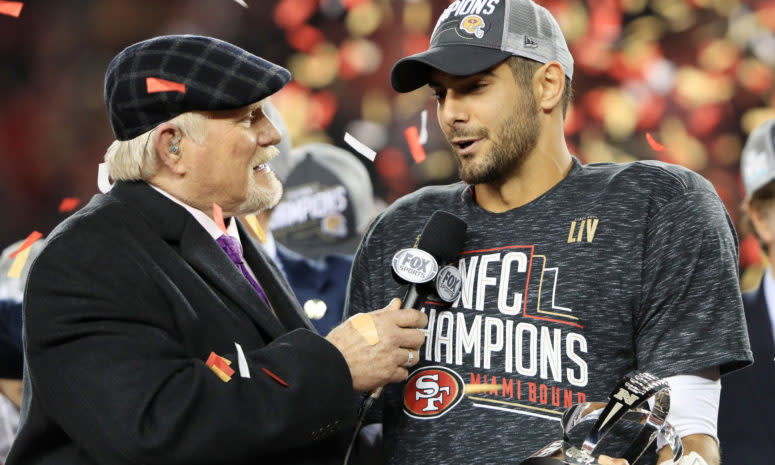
x=11 y=350
x=326 y=207
x=747 y=409
x=155 y=332
x=572 y=275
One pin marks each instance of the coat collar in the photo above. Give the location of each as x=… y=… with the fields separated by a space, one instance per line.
x=176 y=226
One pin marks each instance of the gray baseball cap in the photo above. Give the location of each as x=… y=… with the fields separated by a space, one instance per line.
x=328 y=202
x=473 y=35
x=757 y=163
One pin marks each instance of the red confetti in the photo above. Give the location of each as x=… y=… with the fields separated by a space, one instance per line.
x=218 y=217
x=413 y=137
x=218 y=362
x=68 y=204
x=276 y=378
x=161 y=85
x=654 y=144
x=11 y=8
x=34 y=236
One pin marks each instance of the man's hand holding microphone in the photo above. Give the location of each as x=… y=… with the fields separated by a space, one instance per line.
x=382 y=345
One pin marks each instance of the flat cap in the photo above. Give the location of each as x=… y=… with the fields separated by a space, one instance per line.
x=157 y=79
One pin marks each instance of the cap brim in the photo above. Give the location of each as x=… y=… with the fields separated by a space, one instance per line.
x=413 y=72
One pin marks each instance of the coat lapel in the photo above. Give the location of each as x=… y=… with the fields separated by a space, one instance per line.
x=199 y=250
x=274 y=284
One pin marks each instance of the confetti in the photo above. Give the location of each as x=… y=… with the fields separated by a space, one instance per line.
x=161 y=85
x=424 y=127
x=11 y=8
x=256 y=227
x=18 y=264
x=359 y=146
x=654 y=144
x=242 y=362
x=34 y=236
x=103 y=180
x=276 y=378
x=241 y=2
x=220 y=366
x=218 y=217
x=480 y=388
x=418 y=153
x=68 y=204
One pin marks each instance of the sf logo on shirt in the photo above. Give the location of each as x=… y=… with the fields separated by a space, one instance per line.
x=431 y=392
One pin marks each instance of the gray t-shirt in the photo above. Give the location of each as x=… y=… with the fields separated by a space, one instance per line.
x=618 y=267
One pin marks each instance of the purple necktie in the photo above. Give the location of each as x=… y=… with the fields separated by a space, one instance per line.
x=233 y=249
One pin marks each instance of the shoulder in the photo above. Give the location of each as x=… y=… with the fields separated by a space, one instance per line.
x=100 y=234
x=651 y=185
x=662 y=180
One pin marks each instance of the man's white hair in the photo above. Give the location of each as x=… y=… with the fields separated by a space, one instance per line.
x=136 y=159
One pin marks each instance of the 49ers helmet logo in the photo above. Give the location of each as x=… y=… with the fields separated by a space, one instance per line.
x=431 y=392
x=473 y=24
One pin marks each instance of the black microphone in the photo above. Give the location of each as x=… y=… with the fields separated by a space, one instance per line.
x=440 y=241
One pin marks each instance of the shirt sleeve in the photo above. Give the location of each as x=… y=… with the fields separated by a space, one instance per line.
x=691 y=314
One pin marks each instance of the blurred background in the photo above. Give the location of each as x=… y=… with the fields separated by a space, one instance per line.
x=683 y=81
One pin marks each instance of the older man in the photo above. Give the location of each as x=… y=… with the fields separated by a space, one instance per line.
x=152 y=335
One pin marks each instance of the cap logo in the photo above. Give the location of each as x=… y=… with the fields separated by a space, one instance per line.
x=473 y=24
x=467 y=8
x=530 y=43
x=431 y=392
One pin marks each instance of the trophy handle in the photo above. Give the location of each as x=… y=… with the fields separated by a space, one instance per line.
x=633 y=389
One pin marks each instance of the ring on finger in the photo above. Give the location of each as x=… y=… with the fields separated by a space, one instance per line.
x=410 y=359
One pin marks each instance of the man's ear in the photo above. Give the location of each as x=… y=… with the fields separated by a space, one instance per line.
x=167 y=142
x=549 y=84
x=761 y=225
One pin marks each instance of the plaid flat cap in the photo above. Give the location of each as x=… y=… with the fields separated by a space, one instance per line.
x=155 y=80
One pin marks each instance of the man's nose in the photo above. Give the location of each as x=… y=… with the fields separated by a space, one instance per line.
x=268 y=133
x=452 y=110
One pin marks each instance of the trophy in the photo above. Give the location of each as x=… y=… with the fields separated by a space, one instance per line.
x=627 y=404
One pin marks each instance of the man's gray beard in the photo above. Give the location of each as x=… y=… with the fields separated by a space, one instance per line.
x=519 y=136
x=259 y=199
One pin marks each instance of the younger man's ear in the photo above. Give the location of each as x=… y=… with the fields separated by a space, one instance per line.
x=167 y=140
x=549 y=83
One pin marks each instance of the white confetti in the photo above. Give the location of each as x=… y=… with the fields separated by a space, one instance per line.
x=103 y=181
x=359 y=146
x=242 y=363
x=424 y=127
x=242 y=2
